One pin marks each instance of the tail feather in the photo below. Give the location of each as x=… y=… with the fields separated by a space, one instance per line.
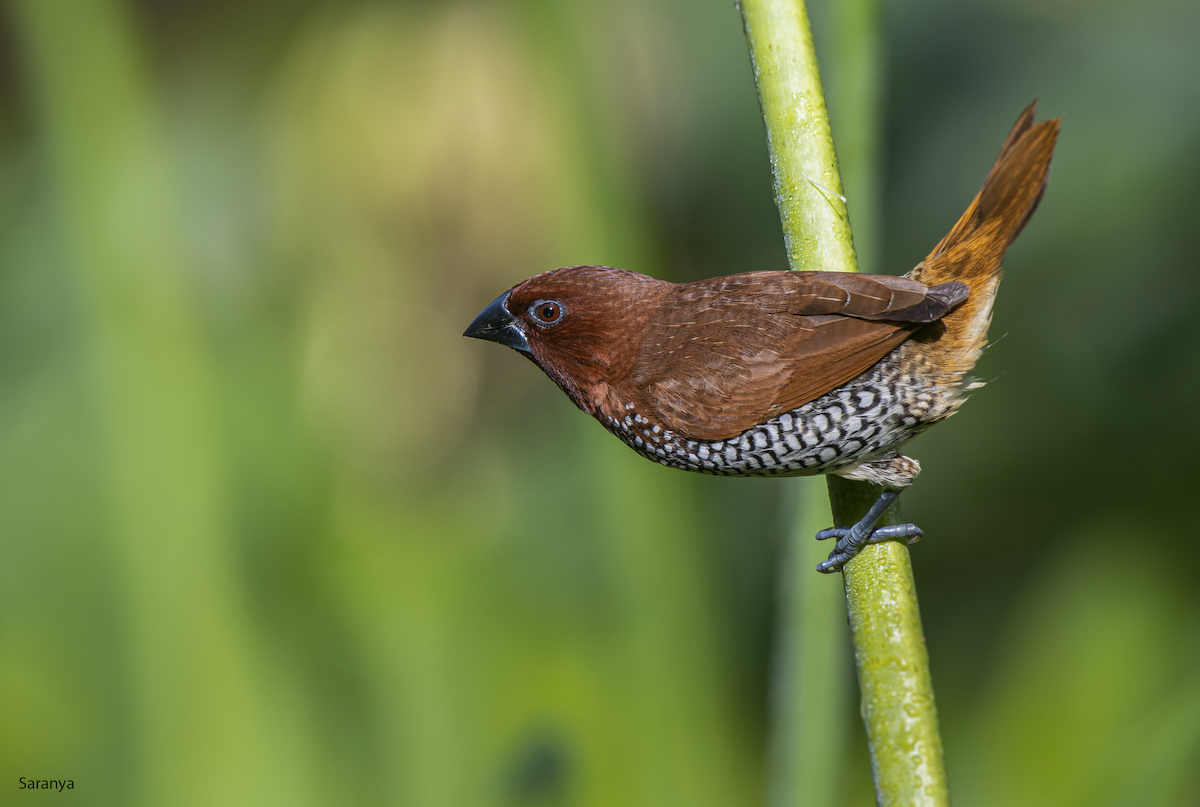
x=973 y=249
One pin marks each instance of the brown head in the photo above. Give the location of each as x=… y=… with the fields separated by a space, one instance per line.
x=581 y=324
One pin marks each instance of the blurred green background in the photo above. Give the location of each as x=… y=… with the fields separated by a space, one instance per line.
x=272 y=532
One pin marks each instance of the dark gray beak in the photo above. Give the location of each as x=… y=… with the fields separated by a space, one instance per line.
x=495 y=324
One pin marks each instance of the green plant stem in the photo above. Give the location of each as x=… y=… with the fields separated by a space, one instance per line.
x=893 y=665
x=808 y=187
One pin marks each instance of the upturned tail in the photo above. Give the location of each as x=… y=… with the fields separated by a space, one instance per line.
x=971 y=252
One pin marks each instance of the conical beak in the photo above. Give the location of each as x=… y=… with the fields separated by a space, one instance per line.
x=495 y=324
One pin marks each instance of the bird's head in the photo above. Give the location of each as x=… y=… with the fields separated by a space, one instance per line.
x=582 y=325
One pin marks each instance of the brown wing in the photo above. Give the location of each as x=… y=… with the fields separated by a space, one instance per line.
x=731 y=352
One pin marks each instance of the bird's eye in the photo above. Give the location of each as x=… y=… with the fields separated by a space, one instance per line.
x=546 y=312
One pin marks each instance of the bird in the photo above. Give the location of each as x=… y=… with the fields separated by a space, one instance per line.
x=785 y=373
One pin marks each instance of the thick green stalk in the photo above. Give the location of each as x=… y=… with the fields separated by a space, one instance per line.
x=893 y=663
x=808 y=187
x=893 y=666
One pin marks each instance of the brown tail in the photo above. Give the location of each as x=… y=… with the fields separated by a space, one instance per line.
x=971 y=252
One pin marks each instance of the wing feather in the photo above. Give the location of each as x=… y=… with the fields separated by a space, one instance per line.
x=732 y=352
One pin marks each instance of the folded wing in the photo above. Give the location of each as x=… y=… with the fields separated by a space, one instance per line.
x=733 y=352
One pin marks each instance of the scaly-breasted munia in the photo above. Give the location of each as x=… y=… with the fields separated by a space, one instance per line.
x=784 y=373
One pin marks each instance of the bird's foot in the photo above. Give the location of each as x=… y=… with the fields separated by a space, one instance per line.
x=851 y=539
